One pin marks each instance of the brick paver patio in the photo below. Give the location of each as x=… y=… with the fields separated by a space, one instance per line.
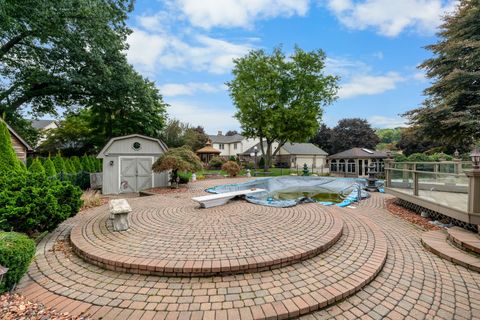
x=413 y=282
x=172 y=236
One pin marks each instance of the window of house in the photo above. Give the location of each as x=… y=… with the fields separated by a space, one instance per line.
x=351 y=166
x=221 y=146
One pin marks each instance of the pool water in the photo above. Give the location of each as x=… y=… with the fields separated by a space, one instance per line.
x=320 y=197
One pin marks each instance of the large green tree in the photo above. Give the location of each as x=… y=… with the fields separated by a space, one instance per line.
x=72 y=137
x=280 y=98
x=71 y=53
x=323 y=138
x=451 y=112
x=413 y=141
x=177 y=134
x=352 y=133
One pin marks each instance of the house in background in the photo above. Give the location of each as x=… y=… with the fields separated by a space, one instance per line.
x=43 y=126
x=293 y=155
x=21 y=147
x=355 y=162
x=299 y=154
x=231 y=145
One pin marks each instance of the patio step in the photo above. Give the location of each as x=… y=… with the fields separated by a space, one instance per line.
x=464 y=239
x=437 y=242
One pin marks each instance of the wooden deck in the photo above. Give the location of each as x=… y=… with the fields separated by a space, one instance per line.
x=452 y=204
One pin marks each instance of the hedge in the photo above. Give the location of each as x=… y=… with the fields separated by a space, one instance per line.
x=33 y=203
x=16 y=253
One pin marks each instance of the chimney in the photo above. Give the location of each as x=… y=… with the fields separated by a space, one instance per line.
x=219 y=133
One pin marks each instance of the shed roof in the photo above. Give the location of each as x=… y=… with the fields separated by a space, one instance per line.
x=219 y=138
x=358 y=153
x=16 y=135
x=303 y=149
x=101 y=154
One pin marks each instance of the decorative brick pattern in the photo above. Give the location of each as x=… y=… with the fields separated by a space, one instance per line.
x=173 y=237
x=413 y=284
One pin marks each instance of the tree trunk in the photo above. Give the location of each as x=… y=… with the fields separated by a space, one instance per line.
x=268 y=157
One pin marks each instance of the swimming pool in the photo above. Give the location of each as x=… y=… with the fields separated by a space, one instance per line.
x=287 y=191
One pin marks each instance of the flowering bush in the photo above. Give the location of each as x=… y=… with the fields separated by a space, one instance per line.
x=232 y=168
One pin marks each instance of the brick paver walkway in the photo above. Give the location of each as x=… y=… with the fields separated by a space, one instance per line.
x=171 y=236
x=413 y=282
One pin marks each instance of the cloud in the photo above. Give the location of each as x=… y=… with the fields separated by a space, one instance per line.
x=387 y=122
x=238 y=13
x=151 y=52
x=390 y=18
x=420 y=76
x=188 y=89
x=145 y=48
x=345 y=67
x=212 y=119
x=369 y=85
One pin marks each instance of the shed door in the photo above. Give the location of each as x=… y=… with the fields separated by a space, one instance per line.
x=135 y=174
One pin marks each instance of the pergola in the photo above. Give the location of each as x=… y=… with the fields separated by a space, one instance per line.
x=208 y=152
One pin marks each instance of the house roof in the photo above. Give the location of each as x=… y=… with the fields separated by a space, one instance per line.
x=226 y=139
x=292 y=148
x=303 y=149
x=252 y=149
x=41 y=124
x=101 y=154
x=16 y=135
x=356 y=153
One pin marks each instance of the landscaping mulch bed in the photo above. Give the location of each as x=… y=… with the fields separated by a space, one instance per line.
x=63 y=246
x=409 y=215
x=16 y=307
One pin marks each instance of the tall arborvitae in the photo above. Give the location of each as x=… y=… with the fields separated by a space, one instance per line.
x=49 y=168
x=59 y=164
x=36 y=167
x=8 y=158
x=451 y=112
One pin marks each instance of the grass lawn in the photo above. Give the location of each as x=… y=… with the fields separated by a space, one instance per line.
x=274 y=172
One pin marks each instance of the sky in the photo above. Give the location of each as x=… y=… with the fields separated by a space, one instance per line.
x=187 y=48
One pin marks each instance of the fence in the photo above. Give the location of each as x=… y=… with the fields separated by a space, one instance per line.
x=80 y=179
x=446 y=187
x=443 y=166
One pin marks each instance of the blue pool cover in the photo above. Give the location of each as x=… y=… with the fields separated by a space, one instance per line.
x=348 y=188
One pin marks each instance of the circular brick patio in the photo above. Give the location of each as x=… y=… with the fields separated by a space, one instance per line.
x=413 y=283
x=172 y=236
x=68 y=283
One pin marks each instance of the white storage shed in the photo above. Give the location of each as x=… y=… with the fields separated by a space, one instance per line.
x=127 y=164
